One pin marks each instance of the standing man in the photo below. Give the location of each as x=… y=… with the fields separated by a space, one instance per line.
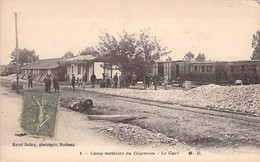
x=165 y=79
x=56 y=83
x=30 y=78
x=147 y=80
x=134 y=77
x=122 y=80
x=155 y=81
x=108 y=82
x=115 y=81
x=93 y=80
x=85 y=79
x=127 y=80
x=73 y=82
x=79 y=80
x=47 y=82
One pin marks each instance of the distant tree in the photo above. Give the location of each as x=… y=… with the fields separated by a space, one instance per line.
x=68 y=55
x=89 y=51
x=168 y=58
x=256 y=46
x=188 y=56
x=201 y=57
x=25 y=57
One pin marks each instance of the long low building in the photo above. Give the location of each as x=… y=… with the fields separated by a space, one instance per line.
x=41 y=68
x=84 y=65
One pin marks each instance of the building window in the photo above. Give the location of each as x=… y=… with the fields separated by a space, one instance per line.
x=195 y=68
x=72 y=69
x=209 y=69
x=79 y=69
x=203 y=68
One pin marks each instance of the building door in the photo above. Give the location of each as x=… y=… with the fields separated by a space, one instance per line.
x=87 y=73
x=177 y=71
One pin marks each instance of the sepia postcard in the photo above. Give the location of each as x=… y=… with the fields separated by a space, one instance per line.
x=119 y=80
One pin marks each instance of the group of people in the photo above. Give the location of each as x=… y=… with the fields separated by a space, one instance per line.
x=55 y=81
x=122 y=81
x=81 y=80
x=149 y=79
x=47 y=81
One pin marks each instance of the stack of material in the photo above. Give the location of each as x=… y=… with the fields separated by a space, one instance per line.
x=135 y=135
x=82 y=105
x=238 y=98
x=244 y=98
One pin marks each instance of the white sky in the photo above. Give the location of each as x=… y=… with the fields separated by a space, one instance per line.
x=222 y=29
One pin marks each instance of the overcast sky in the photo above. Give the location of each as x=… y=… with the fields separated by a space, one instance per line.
x=221 y=29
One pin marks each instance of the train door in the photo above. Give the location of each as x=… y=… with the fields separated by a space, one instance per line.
x=160 y=69
x=177 y=71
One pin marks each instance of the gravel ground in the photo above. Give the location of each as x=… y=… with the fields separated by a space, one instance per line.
x=135 y=135
x=189 y=128
x=117 y=132
x=244 y=98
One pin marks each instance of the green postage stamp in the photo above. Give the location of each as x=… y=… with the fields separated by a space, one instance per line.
x=40 y=114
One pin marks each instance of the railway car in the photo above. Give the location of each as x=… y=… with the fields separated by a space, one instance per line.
x=10 y=69
x=222 y=72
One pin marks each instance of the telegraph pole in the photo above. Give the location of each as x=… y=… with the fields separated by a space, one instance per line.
x=17 y=54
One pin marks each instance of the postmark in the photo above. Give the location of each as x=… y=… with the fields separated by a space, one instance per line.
x=39 y=114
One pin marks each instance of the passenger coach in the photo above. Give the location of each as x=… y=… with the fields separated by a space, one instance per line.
x=222 y=72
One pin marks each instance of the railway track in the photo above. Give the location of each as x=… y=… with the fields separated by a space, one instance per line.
x=213 y=112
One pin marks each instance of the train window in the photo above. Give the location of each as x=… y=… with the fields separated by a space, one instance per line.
x=232 y=68
x=209 y=69
x=195 y=68
x=242 y=68
x=203 y=68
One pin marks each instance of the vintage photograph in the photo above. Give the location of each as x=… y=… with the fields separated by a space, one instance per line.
x=119 y=80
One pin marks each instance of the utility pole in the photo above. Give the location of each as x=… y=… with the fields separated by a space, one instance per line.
x=17 y=54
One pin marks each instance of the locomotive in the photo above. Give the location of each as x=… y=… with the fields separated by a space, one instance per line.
x=217 y=72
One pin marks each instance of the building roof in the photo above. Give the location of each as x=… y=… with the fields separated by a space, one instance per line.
x=81 y=59
x=44 y=64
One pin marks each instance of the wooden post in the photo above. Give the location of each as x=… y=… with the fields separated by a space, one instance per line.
x=17 y=55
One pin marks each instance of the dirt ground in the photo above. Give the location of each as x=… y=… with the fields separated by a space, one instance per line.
x=169 y=125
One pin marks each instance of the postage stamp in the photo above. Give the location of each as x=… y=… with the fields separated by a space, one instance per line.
x=40 y=114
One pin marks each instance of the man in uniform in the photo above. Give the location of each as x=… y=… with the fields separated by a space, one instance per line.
x=93 y=80
x=56 y=83
x=47 y=82
x=30 y=79
x=115 y=81
x=155 y=81
x=73 y=82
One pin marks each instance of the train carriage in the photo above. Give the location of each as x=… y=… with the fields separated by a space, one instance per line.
x=220 y=72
